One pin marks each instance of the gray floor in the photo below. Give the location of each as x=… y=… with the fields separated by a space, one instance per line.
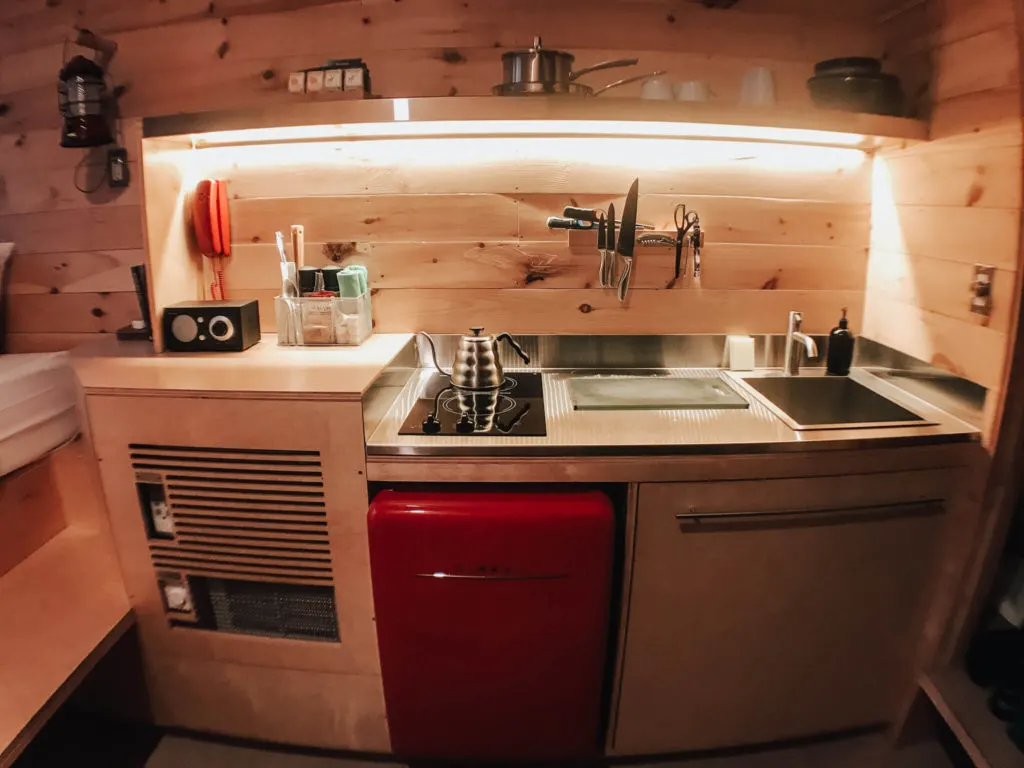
x=861 y=752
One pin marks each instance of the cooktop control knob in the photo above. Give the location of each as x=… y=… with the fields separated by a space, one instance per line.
x=221 y=328
x=184 y=328
x=431 y=426
x=465 y=426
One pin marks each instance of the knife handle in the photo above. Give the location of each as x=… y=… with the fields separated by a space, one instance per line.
x=556 y=222
x=582 y=214
x=627 y=272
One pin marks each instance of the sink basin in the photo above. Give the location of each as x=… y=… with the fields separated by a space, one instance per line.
x=830 y=403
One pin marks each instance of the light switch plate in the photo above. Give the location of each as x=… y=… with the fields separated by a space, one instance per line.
x=297 y=82
x=334 y=80
x=354 y=79
x=314 y=81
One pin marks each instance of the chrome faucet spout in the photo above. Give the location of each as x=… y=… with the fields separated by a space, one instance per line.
x=793 y=335
x=809 y=344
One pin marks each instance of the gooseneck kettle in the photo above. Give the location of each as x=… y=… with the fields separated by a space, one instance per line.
x=477 y=364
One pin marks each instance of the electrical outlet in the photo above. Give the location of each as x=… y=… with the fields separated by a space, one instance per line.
x=118 y=174
x=981 y=289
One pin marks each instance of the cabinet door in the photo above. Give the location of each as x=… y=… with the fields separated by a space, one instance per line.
x=756 y=615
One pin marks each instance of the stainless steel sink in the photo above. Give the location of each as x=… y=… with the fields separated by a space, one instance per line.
x=820 y=402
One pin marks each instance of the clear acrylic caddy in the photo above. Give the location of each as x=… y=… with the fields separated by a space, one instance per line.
x=323 y=320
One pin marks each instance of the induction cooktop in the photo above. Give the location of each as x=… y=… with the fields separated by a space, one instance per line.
x=517 y=409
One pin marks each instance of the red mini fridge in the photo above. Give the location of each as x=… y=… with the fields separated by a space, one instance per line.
x=492 y=620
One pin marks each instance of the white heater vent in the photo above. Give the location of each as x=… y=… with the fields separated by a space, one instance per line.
x=239 y=513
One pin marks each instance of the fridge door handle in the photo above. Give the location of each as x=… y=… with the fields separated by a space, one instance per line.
x=484 y=577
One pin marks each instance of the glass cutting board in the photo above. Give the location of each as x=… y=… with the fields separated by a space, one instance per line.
x=601 y=393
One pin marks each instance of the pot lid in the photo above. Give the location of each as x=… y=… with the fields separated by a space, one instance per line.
x=537 y=47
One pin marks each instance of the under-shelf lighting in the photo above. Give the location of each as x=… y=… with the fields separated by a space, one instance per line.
x=487 y=128
x=584 y=159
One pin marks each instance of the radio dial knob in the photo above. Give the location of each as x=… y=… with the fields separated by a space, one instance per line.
x=221 y=328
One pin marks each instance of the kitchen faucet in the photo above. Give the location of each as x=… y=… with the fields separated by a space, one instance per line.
x=793 y=334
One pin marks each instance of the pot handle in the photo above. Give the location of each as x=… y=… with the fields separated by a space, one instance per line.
x=519 y=350
x=629 y=80
x=433 y=352
x=603 y=65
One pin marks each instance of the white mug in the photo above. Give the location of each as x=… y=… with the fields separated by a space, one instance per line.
x=758 y=88
x=692 y=90
x=659 y=88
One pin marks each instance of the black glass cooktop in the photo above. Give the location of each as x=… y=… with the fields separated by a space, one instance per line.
x=517 y=409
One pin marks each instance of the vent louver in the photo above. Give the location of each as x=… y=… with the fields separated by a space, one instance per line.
x=240 y=513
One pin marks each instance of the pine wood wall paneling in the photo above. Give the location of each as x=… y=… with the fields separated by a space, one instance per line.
x=431 y=248
x=188 y=58
x=594 y=166
x=183 y=55
x=471 y=218
x=66 y=242
x=569 y=311
x=943 y=206
x=573 y=264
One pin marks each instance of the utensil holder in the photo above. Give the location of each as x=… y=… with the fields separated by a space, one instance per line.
x=323 y=320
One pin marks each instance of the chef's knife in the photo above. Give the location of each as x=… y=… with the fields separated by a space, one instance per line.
x=557 y=222
x=609 y=255
x=602 y=247
x=627 y=238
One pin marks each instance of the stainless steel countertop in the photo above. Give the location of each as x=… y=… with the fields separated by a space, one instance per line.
x=664 y=432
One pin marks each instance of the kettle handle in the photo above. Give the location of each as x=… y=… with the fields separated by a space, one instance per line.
x=515 y=346
x=433 y=352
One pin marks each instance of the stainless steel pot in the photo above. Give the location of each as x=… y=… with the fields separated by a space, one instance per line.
x=477 y=365
x=538 y=70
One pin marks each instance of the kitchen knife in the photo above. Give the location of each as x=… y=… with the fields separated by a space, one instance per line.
x=697 y=241
x=627 y=238
x=609 y=255
x=583 y=214
x=602 y=248
x=594 y=214
x=557 y=222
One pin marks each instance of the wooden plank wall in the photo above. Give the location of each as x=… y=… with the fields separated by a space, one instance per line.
x=943 y=206
x=192 y=55
x=454 y=233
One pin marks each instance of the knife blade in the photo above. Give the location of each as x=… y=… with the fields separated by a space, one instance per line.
x=627 y=238
x=611 y=227
x=609 y=255
x=602 y=243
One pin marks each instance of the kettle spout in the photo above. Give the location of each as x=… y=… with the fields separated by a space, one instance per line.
x=512 y=342
x=433 y=352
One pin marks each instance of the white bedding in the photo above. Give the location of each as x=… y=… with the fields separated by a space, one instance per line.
x=38 y=407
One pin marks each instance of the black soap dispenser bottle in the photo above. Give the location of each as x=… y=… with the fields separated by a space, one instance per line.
x=840 y=348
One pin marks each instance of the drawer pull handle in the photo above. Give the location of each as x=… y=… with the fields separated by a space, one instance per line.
x=896 y=510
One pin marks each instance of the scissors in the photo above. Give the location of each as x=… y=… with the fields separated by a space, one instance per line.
x=684 y=221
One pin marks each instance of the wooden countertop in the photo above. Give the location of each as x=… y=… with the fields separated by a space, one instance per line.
x=108 y=365
x=63 y=608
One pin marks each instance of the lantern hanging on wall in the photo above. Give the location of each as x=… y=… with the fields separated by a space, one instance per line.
x=82 y=93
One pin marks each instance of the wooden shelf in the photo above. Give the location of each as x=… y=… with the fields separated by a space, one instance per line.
x=492 y=115
x=63 y=608
x=964 y=707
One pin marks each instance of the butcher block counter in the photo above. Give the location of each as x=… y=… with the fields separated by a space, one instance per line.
x=343 y=373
